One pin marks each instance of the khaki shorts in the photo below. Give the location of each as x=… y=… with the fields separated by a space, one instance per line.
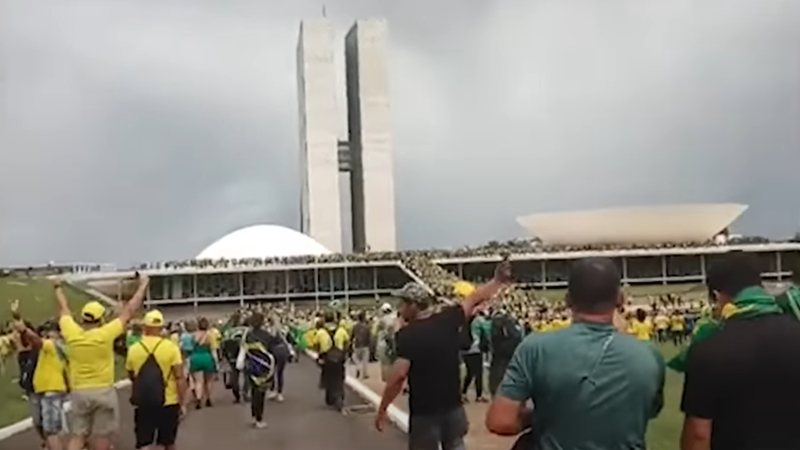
x=95 y=412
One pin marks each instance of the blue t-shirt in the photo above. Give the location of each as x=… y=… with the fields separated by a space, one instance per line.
x=592 y=387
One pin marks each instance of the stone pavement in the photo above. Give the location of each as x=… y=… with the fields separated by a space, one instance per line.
x=477 y=438
x=301 y=423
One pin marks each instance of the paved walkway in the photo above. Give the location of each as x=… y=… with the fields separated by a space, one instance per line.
x=301 y=423
x=477 y=438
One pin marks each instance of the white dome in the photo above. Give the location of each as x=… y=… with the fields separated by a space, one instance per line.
x=263 y=241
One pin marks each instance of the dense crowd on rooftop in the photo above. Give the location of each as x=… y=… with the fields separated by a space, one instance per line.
x=492 y=249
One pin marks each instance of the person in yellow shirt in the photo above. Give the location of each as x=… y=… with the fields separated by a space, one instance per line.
x=332 y=342
x=47 y=386
x=90 y=346
x=562 y=322
x=662 y=326
x=640 y=327
x=677 y=327
x=156 y=418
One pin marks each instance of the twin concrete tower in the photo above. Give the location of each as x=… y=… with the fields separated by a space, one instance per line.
x=366 y=153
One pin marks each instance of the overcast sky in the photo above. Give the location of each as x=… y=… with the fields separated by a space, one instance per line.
x=136 y=130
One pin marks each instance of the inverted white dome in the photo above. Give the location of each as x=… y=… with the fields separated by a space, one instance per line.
x=263 y=241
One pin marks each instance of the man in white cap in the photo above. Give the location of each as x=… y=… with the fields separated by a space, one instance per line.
x=90 y=346
x=155 y=367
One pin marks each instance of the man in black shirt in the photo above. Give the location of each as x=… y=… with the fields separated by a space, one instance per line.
x=741 y=390
x=428 y=356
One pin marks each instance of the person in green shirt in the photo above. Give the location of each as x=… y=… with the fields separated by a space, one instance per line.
x=593 y=387
x=134 y=335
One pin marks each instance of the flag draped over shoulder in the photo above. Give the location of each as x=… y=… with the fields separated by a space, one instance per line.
x=298 y=332
x=751 y=302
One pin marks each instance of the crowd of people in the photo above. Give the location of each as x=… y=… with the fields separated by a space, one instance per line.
x=492 y=249
x=586 y=351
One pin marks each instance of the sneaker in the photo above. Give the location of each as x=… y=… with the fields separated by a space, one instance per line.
x=271 y=395
x=261 y=425
x=279 y=398
x=482 y=400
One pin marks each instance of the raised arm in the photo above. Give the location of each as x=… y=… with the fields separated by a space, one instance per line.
x=136 y=301
x=502 y=278
x=27 y=334
x=61 y=300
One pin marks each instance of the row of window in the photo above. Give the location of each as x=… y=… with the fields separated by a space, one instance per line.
x=281 y=282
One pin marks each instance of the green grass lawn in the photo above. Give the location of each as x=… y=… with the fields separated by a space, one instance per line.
x=664 y=431
x=37 y=304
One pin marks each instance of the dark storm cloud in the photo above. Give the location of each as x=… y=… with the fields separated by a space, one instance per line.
x=136 y=130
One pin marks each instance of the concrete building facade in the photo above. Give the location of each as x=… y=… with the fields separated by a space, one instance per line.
x=370 y=137
x=367 y=153
x=320 y=204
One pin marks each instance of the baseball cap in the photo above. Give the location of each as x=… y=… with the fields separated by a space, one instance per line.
x=414 y=293
x=153 y=318
x=93 y=312
x=463 y=289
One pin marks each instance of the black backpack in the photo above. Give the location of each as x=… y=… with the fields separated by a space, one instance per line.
x=334 y=355
x=505 y=336
x=149 y=385
x=28 y=361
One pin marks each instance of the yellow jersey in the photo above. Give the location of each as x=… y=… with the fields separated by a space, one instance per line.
x=323 y=342
x=641 y=330
x=167 y=354
x=91 y=352
x=50 y=373
x=662 y=322
x=677 y=322
x=214 y=338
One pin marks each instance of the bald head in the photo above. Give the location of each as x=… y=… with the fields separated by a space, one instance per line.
x=594 y=285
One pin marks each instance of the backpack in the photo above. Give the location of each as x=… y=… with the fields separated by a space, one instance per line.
x=149 y=384
x=505 y=336
x=27 y=367
x=334 y=355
